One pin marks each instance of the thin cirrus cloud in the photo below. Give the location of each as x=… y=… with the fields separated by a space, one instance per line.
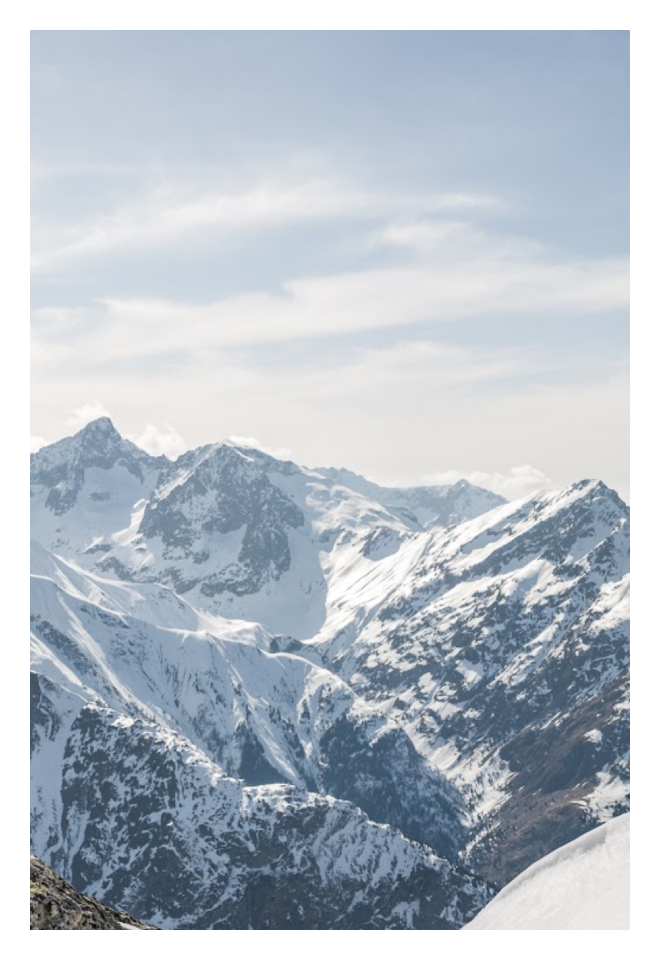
x=408 y=373
x=80 y=416
x=459 y=272
x=378 y=299
x=281 y=453
x=163 y=216
x=159 y=441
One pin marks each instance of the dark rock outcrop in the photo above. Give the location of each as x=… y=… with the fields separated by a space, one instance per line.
x=56 y=905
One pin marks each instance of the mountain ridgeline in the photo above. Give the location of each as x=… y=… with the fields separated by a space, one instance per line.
x=266 y=696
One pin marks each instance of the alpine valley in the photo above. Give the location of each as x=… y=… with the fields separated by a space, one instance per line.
x=266 y=696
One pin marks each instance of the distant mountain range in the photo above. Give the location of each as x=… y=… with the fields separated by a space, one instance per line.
x=271 y=696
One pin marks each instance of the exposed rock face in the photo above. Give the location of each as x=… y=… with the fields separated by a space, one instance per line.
x=56 y=905
x=147 y=821
x=504 y=653
x=224 y=492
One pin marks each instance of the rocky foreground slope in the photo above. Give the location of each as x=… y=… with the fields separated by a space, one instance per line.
x=314 y=701
x=56 y=905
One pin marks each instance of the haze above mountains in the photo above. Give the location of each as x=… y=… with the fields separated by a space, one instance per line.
x=270 y=696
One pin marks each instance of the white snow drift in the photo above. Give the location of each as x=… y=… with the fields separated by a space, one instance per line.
x=584 y=885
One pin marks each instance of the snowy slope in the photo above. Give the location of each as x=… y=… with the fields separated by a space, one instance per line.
x=262 y=716
x=144 y=820
x=585 y=885
x=502 y=647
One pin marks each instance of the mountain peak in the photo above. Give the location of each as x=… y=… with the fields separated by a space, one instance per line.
x=594 y=490
x=101 y=428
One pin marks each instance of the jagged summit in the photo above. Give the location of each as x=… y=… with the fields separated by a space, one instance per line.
x=597 y=489
x=91 y=464
x=101 y=427
x=98 y=443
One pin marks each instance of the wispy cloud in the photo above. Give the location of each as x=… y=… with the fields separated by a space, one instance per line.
x=157 y=441
x=282 y=453
x=459 y=272
x=166 y=214
x=36 y=443
x=381 y=298
x=81 y=416
x=409 y=374
x=516 y=482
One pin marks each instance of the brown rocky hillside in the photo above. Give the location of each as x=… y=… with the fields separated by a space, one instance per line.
x=56 y=905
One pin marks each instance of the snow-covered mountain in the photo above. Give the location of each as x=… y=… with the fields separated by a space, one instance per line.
x=430 y=506
x=144 y=818
x=85 y=485
x=503 y=650
x=266 y=717
x=222 y=824
x=232 y=529
x=584 y=885
x=314 y=698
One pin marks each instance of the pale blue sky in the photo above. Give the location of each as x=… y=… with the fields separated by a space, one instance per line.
x=401 y=252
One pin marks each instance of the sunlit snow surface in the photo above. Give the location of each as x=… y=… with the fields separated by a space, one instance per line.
x=584 y=885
